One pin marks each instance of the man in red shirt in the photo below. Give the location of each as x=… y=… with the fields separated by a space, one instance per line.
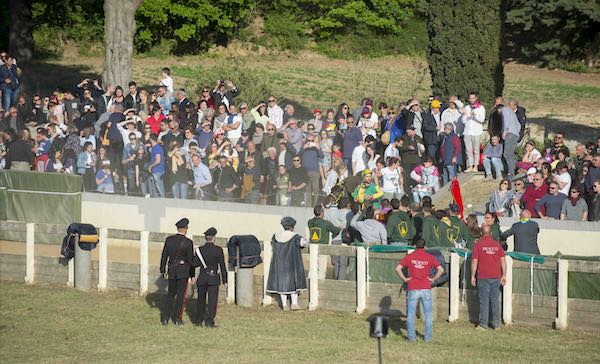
x=534 y=193
x=419 y=264
x=488 y=256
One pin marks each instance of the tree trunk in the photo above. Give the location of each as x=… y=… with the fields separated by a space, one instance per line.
x=20 y=36
x=119 y=29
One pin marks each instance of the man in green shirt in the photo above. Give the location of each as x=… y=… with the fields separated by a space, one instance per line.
x=319 y=233
x=400 y=228
x=445 y=231
x=459 y=228
x=430 y=228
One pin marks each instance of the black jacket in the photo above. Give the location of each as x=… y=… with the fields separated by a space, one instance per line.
x=247 y=248
x=19 y=151
x=429 y=129
x=215 y=262
x=129 y=102
x=229 y=95
x=178 y=251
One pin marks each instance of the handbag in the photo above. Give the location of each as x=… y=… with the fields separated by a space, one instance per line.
x=385 y=137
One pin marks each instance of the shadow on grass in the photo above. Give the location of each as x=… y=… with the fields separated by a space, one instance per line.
x=582 y=133
x=396 y=318
x=156 y=300
x=43 y=77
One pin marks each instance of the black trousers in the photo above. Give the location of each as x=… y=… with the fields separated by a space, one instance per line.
x=207 y=295
x=176 y=291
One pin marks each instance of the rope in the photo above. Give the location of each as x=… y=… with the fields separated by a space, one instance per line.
x=464 y=281
x=368 y=276
x=531 y=283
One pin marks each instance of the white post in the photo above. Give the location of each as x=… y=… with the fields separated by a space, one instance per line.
x=361 y=279
x=71 y=277
x=144 y=237
x=563 y=294
x=454 y=287
x=230 y=287
x=103 y=259
x=267 y=255
x=313 y=276
x=507 y=293
x=30 y=254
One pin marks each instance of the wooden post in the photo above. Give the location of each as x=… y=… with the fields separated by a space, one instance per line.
x=144 y=237
x=71 y=274
x=267 y=255
x=230 y=287
x=563 y=294
x=507 y=293
x=454 y=292
x=361 y=279
x=313 y=276
x=30 y=254
x=103 y=259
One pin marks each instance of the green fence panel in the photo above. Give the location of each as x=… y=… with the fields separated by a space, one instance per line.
x=51 y=198
x=584 y=285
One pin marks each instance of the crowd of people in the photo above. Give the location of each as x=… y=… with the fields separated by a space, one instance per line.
x=159 y=143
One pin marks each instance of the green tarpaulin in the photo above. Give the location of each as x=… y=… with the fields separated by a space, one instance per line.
x=51 y=198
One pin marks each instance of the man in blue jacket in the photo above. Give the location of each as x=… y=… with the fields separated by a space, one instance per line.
x=451 y=154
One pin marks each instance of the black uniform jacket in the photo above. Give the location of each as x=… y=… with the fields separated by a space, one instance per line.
x=177 y=252
x=215 y=263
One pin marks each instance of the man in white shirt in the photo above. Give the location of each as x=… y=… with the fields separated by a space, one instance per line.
x=563 y=178
x=474 y=117
x=275 y=112
x=233 y=125
x=392 y=150
x=358 y=159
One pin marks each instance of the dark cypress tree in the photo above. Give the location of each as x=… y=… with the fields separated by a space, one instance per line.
x=465 y=44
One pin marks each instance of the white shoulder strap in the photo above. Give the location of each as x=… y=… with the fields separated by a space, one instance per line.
x=201 y=257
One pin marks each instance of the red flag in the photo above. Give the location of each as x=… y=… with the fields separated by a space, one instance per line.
x=455 y=189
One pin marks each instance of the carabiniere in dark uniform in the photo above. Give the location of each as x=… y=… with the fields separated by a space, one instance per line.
x=178 y=252
x=208 y=281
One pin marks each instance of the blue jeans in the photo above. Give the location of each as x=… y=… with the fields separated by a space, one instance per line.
x=488 y=291
x=412 y=300
x=180 y=190
x=9 y=97
x=449 y=173
x=418 y=195
x=158 y=185
x=498 y=166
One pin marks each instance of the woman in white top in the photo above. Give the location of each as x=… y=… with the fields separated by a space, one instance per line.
x=453 y=115
x=530 y=157
x=371 y=157
x=336 y=174
x=392 y=182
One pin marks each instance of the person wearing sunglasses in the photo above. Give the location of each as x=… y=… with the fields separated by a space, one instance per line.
x=559 y=144
x=552 y=201
x=574 y=207
x=275 y=112
x=534 y=193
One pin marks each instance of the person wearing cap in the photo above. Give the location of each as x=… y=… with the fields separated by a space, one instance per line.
x=489 y=264
x=293 y=134
x=286 y=273
x=419 y=264
x=367 y=191
x=176 y=264
x=432 y=128
x=212 y=273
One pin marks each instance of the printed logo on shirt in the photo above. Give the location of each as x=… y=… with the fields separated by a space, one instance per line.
x=315 y=234
x=490 y=250
x=419 y=264
x=453 y=233
x=402 y=228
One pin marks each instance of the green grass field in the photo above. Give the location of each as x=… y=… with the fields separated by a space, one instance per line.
x=56 y=324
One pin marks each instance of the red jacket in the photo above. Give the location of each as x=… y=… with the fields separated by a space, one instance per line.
x=533 y=195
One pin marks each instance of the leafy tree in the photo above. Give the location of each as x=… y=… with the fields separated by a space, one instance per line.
x=555 y=31
x=465 y=47
x=193 y=24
